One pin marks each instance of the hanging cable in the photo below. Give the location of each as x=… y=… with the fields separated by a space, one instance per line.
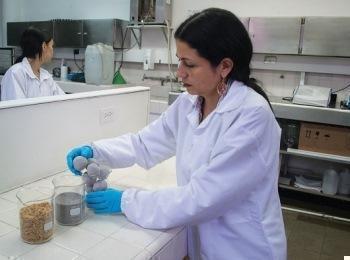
x=76 y=64
x=348 y=85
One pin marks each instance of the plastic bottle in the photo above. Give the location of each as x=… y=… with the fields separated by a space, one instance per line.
x=64 y=70
x=118 y=78
x=330 y=182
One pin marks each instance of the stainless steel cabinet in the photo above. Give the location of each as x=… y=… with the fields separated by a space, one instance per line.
x=327 y=36
x=275 y=35
x=76 y=33
x=15 y=30
x=95 y=31
x=68 y=33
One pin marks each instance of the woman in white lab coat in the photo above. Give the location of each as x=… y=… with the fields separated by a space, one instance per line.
x=226 y=141
x=26 y=79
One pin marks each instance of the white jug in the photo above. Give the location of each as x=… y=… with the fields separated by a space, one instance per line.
x=330 y=182
x=99 y=64
x=344 y=182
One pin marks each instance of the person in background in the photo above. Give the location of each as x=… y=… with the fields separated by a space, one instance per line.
x=226 y=141
x=26 y=78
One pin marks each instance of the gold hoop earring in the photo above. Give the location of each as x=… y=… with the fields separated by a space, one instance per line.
x=221 y=87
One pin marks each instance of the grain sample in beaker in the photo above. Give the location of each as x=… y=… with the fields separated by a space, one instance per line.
x=69 y=208
x=36 y=222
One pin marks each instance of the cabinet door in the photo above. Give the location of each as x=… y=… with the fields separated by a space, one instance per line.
x=327 y=36
x=275 y=35
x=68 y=33
x=15 y=30
x=99 y=30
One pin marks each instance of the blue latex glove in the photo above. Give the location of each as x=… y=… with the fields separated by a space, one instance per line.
x=107 y=201
x=85 y=151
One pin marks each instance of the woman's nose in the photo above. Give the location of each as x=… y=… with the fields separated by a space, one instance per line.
x=181 y=73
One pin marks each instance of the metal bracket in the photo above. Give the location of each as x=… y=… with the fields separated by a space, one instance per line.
x=141 y=27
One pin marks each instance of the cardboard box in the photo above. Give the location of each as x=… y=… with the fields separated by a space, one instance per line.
x=325 y=139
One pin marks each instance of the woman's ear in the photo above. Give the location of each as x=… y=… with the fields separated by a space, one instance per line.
x=226 y=66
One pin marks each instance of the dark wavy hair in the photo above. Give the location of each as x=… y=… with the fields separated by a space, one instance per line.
x=31 y=43
x=217 y=34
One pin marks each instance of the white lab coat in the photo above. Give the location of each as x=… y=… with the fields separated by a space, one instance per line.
x=227 y=171
x=20 y=82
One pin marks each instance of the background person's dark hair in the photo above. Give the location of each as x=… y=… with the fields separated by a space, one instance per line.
x=31 y=43
x=217 y=34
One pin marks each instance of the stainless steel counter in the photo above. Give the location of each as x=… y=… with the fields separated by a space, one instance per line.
x=287 y=110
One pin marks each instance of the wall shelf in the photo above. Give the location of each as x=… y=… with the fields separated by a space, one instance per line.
x=339 y=197
x=316 y=155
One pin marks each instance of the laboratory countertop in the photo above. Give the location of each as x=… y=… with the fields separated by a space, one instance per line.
x=324 y=115
x=99 y=236
x=288 y=110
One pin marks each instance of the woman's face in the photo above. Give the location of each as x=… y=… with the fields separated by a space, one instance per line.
x=197 y=74
x=47 y=51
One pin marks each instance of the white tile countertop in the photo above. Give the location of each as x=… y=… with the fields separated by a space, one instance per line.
x=99 y=236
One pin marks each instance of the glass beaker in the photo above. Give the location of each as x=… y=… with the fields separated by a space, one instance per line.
x=36 y=214
x=69 y=201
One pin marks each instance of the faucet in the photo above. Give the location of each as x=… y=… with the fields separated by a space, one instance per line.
x=161 y=79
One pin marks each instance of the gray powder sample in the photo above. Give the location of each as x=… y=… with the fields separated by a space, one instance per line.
x=93 y=170
x=104 y=172
x=69 y=208
x=80 y=163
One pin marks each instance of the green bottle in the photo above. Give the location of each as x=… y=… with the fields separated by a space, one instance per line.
x=118 y=78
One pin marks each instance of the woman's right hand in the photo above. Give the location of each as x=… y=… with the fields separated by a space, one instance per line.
x=85 y=151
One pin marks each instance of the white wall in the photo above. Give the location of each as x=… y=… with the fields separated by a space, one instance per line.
x=39 y=10
x=1 y=23
x=37 y=133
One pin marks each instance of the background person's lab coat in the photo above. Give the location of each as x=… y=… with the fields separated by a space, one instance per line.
x=227 y=172
x=20 y=82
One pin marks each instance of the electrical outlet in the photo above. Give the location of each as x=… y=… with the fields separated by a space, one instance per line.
x=106 y=115
x=76 y=51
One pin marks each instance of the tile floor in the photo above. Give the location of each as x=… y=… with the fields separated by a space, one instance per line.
x=315 y=238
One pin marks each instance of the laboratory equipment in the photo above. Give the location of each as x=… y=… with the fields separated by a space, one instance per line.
x=69 y=199
x=291 y=135
x=36 y=214
x=345 y=104
x=6 y=59
x=312 y=96
x=150 y=11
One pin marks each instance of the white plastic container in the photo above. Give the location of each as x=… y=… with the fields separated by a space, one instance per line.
x=330 y=182
x=99 y=64
x=344 y=182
